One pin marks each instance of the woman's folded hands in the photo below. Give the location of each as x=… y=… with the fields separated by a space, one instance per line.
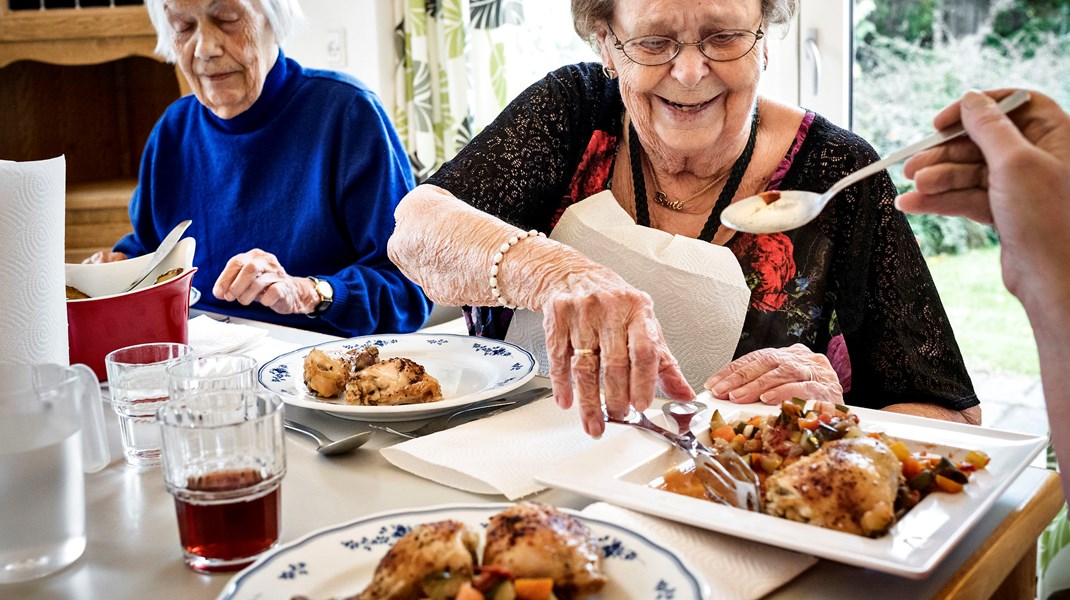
x=773 y=375
x=257 y=276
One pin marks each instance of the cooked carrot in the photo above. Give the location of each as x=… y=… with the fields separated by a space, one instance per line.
x=911 y=467
x=467 y=592
x=724 y=432
x=533 y=589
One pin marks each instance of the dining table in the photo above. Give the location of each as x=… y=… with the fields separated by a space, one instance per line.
x=133 y=549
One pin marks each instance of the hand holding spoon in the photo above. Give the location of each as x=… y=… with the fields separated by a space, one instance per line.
x=773 y=211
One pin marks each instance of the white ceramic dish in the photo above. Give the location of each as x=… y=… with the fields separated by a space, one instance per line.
x=620 y=469
x=339 y=561
x=107 y=279
x=468 y=368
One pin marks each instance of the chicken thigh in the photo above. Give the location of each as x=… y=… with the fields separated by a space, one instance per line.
x=848 y=485
x=536 y=540
x=428 y=551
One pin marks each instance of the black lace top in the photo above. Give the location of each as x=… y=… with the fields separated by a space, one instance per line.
x=852 y=284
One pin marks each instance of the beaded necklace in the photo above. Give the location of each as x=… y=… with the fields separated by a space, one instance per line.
x=642 y=212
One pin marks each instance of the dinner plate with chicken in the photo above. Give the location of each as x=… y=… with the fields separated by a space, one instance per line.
x=523 y=551
x=397 y=377
x=868 y=488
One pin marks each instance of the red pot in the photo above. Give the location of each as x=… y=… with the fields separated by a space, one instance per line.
x=96 y=326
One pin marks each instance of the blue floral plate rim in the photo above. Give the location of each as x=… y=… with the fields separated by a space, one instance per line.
x=636 y=566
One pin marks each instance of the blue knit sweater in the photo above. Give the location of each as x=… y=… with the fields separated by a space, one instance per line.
x=311 y=172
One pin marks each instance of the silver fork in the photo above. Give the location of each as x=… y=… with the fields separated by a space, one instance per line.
x=724 y=475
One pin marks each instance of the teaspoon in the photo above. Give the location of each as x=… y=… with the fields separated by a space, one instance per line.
x=773 y=211
x=326 y=445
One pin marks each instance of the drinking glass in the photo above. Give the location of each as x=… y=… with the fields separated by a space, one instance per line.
x=211 y=372
x=223 y=462
x=137 y=378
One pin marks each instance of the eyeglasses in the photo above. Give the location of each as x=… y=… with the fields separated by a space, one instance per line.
x=721 y=46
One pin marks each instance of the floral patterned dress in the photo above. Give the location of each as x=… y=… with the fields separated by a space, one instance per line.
x=851 y=283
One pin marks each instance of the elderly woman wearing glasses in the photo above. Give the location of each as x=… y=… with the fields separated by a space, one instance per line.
x=671 y=121
x=290 y=176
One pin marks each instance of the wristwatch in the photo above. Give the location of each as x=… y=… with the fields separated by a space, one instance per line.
x=326 y=294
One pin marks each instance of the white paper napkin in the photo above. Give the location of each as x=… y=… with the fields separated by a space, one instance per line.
x=735 y=569
x=209 y=336
x=700 y=296
x=497 y=455
x=33 y=322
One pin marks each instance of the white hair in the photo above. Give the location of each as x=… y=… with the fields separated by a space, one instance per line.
x=283 y=17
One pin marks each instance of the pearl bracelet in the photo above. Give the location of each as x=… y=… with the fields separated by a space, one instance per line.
x=494 y=265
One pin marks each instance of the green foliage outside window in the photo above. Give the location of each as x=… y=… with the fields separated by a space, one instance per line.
x=910 y=62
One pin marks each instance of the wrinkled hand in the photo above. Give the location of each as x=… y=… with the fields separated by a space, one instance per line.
x=773 y=375
x=257 y=276
x=104 y=256
x=602 y=313
x=1011 y=172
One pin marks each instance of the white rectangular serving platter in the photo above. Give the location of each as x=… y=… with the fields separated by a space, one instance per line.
x=620 y=470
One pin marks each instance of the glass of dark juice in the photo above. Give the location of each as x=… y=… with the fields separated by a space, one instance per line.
x=223 y=462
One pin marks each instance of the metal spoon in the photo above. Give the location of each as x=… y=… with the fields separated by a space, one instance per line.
x=166 y=246
x=775 y=211
x=326 y=445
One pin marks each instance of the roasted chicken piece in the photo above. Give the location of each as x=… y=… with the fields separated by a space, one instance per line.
x=536 y=540
x=848 y=485
x=425 y=556
x=325 y=375
x=391 y=382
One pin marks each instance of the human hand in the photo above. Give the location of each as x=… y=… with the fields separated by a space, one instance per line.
x=257 y=276
x=773 y=375
x=104 y=256
x=1014 y=172
x=600 y=312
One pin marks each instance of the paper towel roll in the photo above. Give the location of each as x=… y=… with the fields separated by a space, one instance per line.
x=33 y=314
x=700 y=296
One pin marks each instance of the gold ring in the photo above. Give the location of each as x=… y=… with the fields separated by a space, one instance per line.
x=583 y=352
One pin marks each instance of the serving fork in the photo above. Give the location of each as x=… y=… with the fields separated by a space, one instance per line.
x=726 y=477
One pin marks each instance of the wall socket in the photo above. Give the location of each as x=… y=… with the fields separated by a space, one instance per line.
x=336 y=47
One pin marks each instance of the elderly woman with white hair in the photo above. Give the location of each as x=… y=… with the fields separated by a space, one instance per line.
x=290 y=176
x=672 y=123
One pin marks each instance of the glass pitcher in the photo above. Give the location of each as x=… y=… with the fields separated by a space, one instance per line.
x=51 y=431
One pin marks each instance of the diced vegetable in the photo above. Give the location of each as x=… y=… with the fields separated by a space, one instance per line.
x=724 y=432
x=922 y=481
x=770 y=462
x=534 y=589
x=809 y=424
x=716 y=420
x=467 y=592
x=911 y=467
x=946 y=484
x=900 y=450
x=977 y=458
x=504 y=591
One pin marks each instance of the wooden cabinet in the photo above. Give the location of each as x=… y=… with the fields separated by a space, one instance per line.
x=83 y=83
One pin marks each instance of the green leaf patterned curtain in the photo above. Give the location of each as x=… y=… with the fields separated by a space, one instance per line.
x=450 y=74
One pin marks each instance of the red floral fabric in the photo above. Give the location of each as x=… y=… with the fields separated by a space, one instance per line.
x=769 y=265
x=592 y=173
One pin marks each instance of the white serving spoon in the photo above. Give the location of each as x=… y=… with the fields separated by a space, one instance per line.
x=166 y=246
x=770 y=212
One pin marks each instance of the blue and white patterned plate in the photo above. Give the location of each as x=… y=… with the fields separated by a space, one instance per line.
x=468 y=368
x=339 y=561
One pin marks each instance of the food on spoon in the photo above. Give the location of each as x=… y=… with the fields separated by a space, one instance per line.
x=74 y=293
x=169 y=274
x=325 y=375
x=432 y=561
x=816 y=465
x=769 y=197
x=771 y=211
x=365 y=380
x=848 y=485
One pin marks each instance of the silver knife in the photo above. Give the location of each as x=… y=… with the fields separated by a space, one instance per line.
x=470 y=413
